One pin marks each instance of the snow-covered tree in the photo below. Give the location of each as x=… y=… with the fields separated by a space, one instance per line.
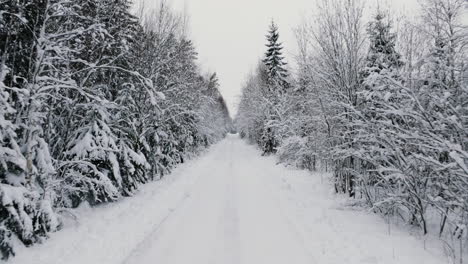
x=274 y=60
x=373 y=117
x=258 y=111
x=382 y=54
x=338 y=41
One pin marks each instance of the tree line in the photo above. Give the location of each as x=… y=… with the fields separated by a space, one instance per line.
x=94 y=102
x=384 y=108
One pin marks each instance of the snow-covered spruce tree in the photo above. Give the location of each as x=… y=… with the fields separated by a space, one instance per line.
x=122 y=86
x=273 y=78
x=14 y=208
x=374 y=121
x=73 y=94
x=274 y=61
x=27 y=195
x=393 y=178
x=382 y=54
x=288 y=118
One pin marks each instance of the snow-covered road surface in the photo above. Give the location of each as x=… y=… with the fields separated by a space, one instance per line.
x=231 y=206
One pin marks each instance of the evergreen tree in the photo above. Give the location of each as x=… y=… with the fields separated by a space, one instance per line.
x=382 y=61
x=372 y=121
x=26 y=189
x=274 y=60
x=382 y=54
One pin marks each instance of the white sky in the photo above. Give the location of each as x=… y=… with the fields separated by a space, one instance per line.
x=230 y=34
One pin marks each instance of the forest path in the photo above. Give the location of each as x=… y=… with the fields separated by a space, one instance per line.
x=231 y=206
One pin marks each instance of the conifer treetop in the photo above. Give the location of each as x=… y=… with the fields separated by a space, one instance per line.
x=274 y=60
x=382 y=52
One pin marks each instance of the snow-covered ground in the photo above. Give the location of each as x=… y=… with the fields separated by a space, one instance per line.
x=231 y=206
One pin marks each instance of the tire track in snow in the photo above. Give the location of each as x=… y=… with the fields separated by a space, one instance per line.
x=147 y=241
x=150 y=239
x=293 y=226
x=230 y=219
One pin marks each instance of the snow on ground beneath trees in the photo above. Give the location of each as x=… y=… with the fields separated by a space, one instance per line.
x=231 y=206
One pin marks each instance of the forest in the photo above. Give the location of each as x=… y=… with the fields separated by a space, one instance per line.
x=381 y=103
x=94 y=102
x=108 y=121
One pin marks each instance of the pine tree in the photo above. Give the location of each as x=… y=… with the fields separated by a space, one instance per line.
x=274 y=60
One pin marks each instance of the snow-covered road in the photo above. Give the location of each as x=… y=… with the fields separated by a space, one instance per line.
x=231 y=206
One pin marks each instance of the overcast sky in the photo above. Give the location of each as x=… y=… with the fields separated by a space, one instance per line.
x=230 y=34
